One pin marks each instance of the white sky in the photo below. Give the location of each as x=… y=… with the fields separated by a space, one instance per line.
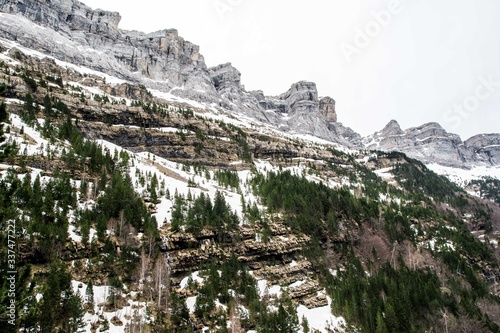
x=430 y=57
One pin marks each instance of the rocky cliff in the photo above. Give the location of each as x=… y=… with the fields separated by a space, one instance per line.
x=431 y=143
x=486 y=147
x=91 y=38
x=165 y=61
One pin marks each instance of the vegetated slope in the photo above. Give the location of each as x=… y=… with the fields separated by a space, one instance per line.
x=135 y=213
x=488 y=188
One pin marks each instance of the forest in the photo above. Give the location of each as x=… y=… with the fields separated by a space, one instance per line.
x=84 y=217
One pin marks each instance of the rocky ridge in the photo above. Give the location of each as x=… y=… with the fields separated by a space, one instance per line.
x=269 y=259
x=165 y=61
x=431 y=143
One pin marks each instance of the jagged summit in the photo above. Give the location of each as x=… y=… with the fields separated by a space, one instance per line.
x=431 y=143
x=301 y=97
x=392 y=128
x=225 y=77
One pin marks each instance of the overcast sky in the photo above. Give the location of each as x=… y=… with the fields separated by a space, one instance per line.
x=415 y=61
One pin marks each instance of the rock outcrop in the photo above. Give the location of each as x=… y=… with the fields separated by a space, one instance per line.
x=327 y=109
x=186 y=251
x=66 y=16
x=91 y=38
x=302 y=97
x=392 y=128
x=225 y=78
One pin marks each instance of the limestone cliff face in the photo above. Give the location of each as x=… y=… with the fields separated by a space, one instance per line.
x=225 y=78
x=327 y=109
x=66 y=16
x=309 y=114
x=80 y=35
x=75 y=33
x=486 y=147
x=302 y=97
x=431 y=143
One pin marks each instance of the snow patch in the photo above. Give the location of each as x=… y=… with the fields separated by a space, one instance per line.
x=321 y=318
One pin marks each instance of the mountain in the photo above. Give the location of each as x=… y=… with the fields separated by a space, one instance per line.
x=165 y=61
x=432 y=144
x=141 y=191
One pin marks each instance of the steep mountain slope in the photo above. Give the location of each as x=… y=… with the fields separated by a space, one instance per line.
x=432 y=144
x=165 y=61
x=127 y=208
x=152 y=216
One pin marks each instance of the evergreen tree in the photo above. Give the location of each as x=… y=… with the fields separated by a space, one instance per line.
x=4 y=116
x=391 y=318
x=180 y=313
x=220 y=211
x=305 y=325
x=59 y=308
x=6 y=149
x=29 y=109
x=47 y=104
x=89 y=295
x=177 y=214
x=381 y=327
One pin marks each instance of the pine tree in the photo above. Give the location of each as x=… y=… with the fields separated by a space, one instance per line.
x=179 y=313
x=177 y=214
x=47 y=104
x=305 y=325
x=391 y=317
x=89 y=296
x=29 y=109
x=6 y=149
x=381 y=327
x=60 y=309
x=4 y=116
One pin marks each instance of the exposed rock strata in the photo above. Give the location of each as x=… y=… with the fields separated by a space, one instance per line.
x=302 y=97
x=431 y=143
x=73 y=32
x=186 y=251
x=165 y=61
x=327 y=109
x=486 y=147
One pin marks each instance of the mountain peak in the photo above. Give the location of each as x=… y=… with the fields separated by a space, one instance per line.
x=225 y=76
x=392 y=128
x=428 y=126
